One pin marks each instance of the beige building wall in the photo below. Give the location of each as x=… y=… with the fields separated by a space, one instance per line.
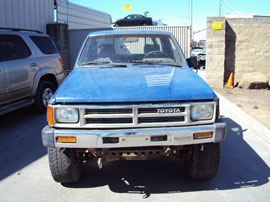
x=242 y=46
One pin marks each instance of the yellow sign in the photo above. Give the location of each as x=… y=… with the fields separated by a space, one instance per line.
x=217 y=25
x=127 y=7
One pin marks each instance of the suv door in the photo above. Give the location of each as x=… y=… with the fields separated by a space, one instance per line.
x=3 y=82
x=17 y=63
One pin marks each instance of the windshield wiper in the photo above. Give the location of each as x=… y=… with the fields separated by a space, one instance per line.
x=170 y=64
x=154 y=62
x=115 y=65
x=142 y=62
x=119 y=64
x=94 y=62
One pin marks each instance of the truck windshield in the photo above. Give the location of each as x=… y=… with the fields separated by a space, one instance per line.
x=131 y=49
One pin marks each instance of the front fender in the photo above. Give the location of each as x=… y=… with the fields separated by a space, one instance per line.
x=41 y=72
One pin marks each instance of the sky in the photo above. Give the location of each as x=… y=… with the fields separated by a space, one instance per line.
x=176 y=12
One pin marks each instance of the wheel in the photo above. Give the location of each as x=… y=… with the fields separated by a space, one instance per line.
x=156 y=54
x=204 y=161
x=44 y=93
x=64 y=166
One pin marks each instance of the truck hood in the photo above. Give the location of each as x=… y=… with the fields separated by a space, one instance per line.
x=144 y=83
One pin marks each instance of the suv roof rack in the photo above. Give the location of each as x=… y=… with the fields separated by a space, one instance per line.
x=19 y=29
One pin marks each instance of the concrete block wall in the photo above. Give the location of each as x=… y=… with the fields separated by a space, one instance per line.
x=250 y=40
x=242 y=46
x=215 y=53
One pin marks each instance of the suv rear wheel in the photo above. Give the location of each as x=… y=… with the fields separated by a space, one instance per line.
x=44 y=93
x=65 y=168
x=204 y=161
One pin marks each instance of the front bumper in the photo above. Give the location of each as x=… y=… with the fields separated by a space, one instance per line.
x=133 y=137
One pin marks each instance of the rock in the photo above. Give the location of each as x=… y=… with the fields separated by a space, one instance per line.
x=254 y=80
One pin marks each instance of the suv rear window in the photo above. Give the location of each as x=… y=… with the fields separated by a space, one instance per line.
x=45 y=44
x=13 y=47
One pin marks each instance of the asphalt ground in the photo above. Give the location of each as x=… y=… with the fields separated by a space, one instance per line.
x=243 y=173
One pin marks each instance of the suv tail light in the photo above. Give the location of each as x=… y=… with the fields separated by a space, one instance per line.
x=61 y=62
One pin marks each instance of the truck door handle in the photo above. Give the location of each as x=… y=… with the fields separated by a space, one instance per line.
x=33 y=64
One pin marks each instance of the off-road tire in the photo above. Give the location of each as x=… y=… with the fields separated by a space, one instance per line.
x=43 y=85
x=204 y=161
x=65 y=168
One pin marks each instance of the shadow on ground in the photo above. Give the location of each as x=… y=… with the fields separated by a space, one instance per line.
x=20 y=138
x=240 y=167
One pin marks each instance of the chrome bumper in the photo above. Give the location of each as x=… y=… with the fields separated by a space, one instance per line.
x=133 y=137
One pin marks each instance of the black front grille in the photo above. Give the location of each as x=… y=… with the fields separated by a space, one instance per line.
x=166 y=119
x=108 y=120
x=108 y=111
x=134 y=116
x=161 y=109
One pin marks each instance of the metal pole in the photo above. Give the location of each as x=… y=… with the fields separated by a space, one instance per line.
x=190 y=22
x=67 y=10
x=190 y=14
x=219 y=8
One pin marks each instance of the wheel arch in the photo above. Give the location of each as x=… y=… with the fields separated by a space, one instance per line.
x=44 y=74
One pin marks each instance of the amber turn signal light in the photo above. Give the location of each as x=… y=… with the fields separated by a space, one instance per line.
x=50 y=116
x=66 y=139
x=202 y=135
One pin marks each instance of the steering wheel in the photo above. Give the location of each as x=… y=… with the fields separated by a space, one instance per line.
x=156 y=54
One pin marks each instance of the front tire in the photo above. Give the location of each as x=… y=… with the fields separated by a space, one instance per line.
x=204 y=161
x=65 y=168
x=44 y=93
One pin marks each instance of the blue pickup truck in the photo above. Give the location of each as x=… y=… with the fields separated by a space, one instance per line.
x=132 y=96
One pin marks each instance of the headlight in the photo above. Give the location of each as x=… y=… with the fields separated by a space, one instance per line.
x=202 y=112
x=67 y=115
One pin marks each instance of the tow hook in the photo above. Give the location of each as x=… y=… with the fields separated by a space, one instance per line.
x=99 y=163
x=202 y=148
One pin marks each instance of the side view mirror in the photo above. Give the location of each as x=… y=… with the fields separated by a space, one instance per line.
x=192 y=62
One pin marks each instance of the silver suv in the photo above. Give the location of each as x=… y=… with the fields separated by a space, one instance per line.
x=30 y=69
